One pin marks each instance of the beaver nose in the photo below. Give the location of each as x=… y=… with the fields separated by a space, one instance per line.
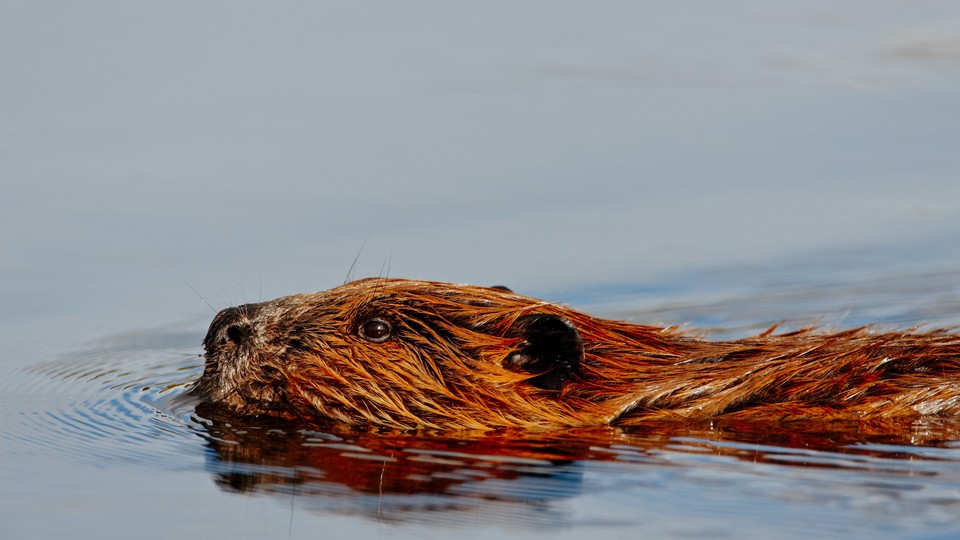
x=232 y=325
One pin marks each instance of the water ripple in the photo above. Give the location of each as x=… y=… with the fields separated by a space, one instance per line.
x=112 y=402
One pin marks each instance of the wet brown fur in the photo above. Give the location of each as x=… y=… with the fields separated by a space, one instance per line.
x=446 y=366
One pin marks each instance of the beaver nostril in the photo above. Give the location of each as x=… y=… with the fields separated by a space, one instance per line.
x=238 y=333
x=236 y=325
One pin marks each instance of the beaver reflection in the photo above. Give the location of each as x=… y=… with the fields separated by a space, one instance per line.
x=269 y=456
x=398 y=476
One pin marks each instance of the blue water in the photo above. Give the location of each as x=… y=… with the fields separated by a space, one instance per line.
x=725 y=167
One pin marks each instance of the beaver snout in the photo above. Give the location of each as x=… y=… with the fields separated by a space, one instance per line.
x=232 y=327
x=238 y=372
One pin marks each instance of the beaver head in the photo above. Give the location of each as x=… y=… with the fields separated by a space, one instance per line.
x=396 y=353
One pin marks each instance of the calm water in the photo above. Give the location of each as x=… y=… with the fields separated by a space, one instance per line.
x=725 y=167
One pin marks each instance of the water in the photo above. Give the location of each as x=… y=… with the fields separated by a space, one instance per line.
x=107 y=435
x=723 y=167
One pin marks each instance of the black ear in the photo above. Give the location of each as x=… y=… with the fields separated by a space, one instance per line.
x=502 y=288
x=551 y=349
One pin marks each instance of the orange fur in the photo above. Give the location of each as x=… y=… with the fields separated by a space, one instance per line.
x=445 y=366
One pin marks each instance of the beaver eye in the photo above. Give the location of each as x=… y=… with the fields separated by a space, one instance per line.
x=375 y=330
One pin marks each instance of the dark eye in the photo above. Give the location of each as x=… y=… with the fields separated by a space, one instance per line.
x=375 y=330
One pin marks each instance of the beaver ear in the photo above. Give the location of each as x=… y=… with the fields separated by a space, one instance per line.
x=551 y=349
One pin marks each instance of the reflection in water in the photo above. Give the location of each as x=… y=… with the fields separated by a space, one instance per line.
x=398 y=477
x=389 y=476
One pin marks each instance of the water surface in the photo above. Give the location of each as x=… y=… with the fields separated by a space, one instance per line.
x=110 y=426
x=726 y=167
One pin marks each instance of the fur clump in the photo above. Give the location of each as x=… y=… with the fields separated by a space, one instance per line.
x=402 y=354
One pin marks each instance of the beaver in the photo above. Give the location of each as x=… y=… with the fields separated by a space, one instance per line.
x=396 y=354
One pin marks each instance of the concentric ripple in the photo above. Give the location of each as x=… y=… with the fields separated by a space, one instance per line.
x=120 y=400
